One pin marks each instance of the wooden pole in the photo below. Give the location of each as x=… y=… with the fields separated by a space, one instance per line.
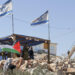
x=48 y=51
x=48 y=42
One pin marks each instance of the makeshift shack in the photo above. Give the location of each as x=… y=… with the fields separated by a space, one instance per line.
x=10 y=40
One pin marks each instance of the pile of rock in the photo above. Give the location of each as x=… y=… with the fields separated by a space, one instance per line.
x=39 y=65
x=40 y=60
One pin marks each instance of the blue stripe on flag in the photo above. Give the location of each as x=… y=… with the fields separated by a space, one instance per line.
x=7 y=2
x=5 y=13
x=39 y=22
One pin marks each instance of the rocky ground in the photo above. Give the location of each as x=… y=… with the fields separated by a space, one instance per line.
x=36 y=71
x=39 y=66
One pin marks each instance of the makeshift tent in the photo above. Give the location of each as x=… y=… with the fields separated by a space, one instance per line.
x=23 y=39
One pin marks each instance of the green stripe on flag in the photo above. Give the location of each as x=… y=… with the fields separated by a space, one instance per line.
x=10 y=50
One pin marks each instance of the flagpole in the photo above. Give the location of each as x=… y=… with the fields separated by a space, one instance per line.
x=48 y=41
x=12 y=24
x=12 y=19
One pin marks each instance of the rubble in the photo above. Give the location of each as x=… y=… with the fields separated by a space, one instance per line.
x=39 y=65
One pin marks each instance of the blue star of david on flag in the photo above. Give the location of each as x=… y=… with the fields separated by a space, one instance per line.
x=6 y=8
x=40 y=20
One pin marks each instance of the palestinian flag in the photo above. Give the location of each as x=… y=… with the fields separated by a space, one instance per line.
x=13 y=49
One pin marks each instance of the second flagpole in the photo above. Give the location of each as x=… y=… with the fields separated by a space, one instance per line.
x=48 y=42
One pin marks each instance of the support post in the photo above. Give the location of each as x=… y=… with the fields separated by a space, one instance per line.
x=49 y=52
x=48 y=42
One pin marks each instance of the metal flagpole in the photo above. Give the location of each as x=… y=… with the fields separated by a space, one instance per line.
x=12 y=24
x=48 y=41
x=12 y=29
x=12 y=19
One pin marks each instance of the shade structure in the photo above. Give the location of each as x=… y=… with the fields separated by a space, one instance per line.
x=31 y=41
x=10 y=50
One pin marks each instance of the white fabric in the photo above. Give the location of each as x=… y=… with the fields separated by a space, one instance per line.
x=6 y=64
x=6 y=46
x=5 y=8
x=43 y=17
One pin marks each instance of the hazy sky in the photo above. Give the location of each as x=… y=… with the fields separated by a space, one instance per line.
x=61 y=16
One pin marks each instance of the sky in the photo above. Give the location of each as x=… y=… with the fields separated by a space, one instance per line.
x=61 y=17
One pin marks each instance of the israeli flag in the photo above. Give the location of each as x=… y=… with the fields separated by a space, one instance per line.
x=40 y=20
x=6 y=8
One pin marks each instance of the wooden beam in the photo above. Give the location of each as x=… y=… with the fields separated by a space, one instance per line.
x=49 y=52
